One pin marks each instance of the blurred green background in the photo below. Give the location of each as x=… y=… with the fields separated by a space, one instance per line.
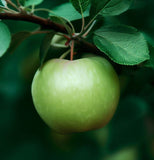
x=129 y=135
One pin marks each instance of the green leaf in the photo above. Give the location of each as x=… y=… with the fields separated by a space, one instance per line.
x=32 y=2
x=45 y=46
x=62 y=21
x=17 y=39
x=109 y=7
x=80 y=5
x=67 y=11
x=5 y=38
x=3 y=3
x=97 y=6
x=116 y=7
x=123 y=44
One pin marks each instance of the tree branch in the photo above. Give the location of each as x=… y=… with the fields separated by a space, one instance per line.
x=48 y=24
x=44 y=23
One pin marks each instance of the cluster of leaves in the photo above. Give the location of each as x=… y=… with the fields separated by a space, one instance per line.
x=122 y=44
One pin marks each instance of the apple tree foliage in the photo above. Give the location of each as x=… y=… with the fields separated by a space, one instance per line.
x=123 y=44
x=119 y=30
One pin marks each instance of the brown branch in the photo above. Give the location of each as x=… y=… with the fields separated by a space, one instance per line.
x=44 y=23
x=48 y=24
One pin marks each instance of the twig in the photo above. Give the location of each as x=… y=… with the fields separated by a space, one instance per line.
x=18 y=3
x=49 y=25
x=44 y=10
x=91 y=21
x=44 y=23
x=89 y=29
x=12 y=4
x=83 y=24
x=33 y=8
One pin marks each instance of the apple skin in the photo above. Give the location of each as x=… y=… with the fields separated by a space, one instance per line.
x=76 y=96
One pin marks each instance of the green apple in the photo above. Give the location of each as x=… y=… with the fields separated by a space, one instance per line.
x=76 y=96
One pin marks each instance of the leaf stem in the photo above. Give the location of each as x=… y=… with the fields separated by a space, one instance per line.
x=72 y=50
x=12 y=4
x=44 y=10
x=64 y=35
x=8 y=10
x=18 y=3
x=89 y=29
x=90 y=22
x=33 y=9
x=96 y=15
x=83 y=24
x=64 y=54
x=73 y=29
x=5 y=9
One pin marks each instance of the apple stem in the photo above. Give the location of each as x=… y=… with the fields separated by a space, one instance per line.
x=72 y=50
